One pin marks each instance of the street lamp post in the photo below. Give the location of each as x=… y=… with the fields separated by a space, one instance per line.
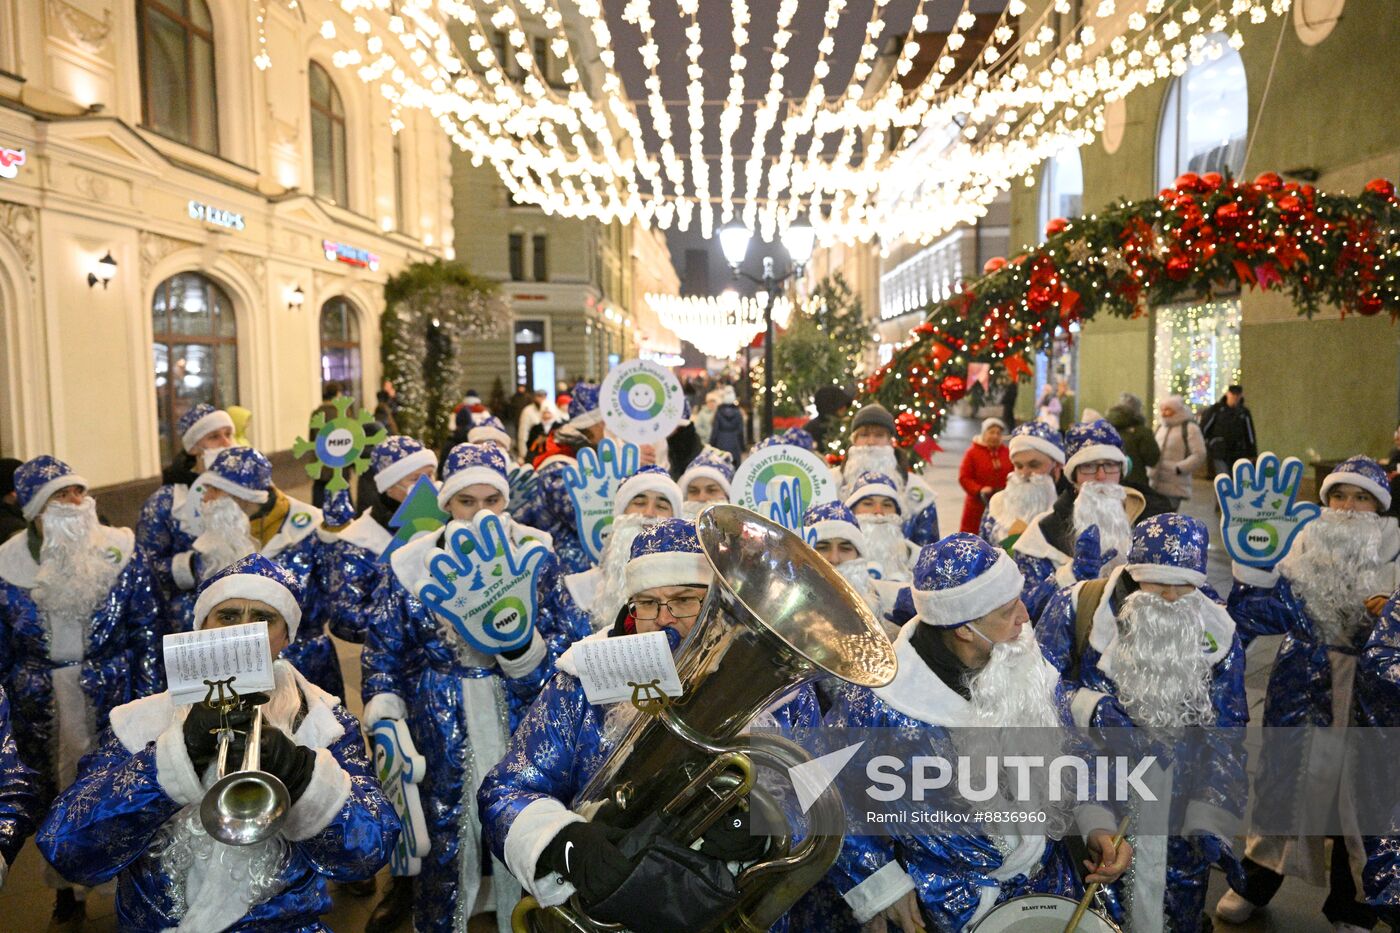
x=798 y=240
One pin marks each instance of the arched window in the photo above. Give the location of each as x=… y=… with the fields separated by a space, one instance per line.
x=328 y=138
x=1205 y=122
x=177 y=71
x=1061 y=188
x=340 y=346
x=195 y=350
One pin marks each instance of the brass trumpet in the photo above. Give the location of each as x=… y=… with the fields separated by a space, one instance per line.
x=248 y=805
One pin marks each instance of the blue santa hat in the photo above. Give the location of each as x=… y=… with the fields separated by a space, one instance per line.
x=241 y=472
x=793 y=437
x=1171 y=549
x=395 y=457
x=667 y=554
x=1037 y=436
x=710 y=463
x=583 y=406
x=488 y=429
x=253 y=577
x=871 y=483
x=470 y=464
x=1362 y=472
x=1091 y=441
x=830 y=521
x=648 y=479
x=201 y=420
x=38 y=479
x=962 y=578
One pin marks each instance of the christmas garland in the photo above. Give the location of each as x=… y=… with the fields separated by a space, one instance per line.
x=1205 y=235
x=446 y=299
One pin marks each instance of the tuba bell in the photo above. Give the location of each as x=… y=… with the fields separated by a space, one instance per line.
x=777 y=617
x=248 y=805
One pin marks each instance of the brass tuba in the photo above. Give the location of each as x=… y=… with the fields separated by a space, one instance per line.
x=248 y=805
x=778 y=616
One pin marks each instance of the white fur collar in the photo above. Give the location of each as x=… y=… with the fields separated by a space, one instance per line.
x=142 y=721
x=1032 y=543
x=302 y=519
x=917 y=691
x=583 y=587
x=365 y=533
x=1103 y=632
x=19 y=568
x=410 y=562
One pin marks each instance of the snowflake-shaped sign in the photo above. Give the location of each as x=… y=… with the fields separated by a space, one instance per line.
x=340 y=443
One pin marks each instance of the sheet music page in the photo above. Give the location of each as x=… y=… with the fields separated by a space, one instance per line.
x=238 y=651
x=608 y=668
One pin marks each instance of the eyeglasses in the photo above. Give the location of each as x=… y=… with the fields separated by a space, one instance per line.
x=680 y=607
x=1106 y=467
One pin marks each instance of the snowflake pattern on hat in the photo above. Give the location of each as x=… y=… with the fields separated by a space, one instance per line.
x=34 y=475
x=873 y=478
x=1039 y=431
x=1171 y=540
x=1097 y=433
x=474 y=456
x=830 y=512
x=717 y=460
x=953 y=561
x=583 y=399
x=488 y=421
x=1362 y=472
x=672 y=536
x=243 y=467
x=256 y=565
x=190 y=418
x=393 y=449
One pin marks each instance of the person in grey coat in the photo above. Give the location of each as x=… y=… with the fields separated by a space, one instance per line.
x=1183 y=449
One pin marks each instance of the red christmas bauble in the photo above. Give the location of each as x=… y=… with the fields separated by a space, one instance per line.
x=1228 y=214
x=1268 y=181
x=993 y=264
x=1212 y=180
x=1380 y=186
x=1056 y=225
x=1290 y=205
x=1368 y=304
x=952 y=388
x=1179 y=267
x=925 y=328
x=906 y=425
x=1039 y=297
x=1188 y=181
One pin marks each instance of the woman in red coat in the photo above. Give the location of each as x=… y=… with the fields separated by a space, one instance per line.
x=983 y=472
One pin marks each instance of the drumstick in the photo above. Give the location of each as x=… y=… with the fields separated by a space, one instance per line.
x=1093 y=889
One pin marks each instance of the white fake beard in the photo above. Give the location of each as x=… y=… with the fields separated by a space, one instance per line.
x=865 y=460
x=227 y=537
x=1101 y=504
x=1159 y=662
x=612 y=568
x=690 y=509
x=887 y=546
x=1022 y=500
x=1335 y=566
x=856 y=572
x=75 y=574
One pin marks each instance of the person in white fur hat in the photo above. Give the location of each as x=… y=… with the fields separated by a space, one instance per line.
x=133 y=812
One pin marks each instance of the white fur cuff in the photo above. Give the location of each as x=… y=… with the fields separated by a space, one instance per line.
x=384 y=706
x=174 y=770
x=1254 y=576
x=527 y=662
x=182 y=570
x=530 y=833
x=1091 y=817
x=879 y=892
x=403 y=466
x=1204 y=818
x=1082 y=706
x=971 y=600
x=324 y=796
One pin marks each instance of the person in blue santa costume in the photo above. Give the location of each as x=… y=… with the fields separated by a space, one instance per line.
x=967 y=659
x=1378 y=705
x=79 y=631
x=552 y=510
x=1089 y=529
x=488 y=429
x=707 y=479
x=1323 y=598
x=1155 y=648
x=872 y=450
x=460 y=704
x=835 y=534
x=564 y=739
x=875 y=501
x=350 y=561
x=244 y=513
x=133 y=813
x=169 y=522
x=594 y=597
x=1037 y=459
x=20 y=806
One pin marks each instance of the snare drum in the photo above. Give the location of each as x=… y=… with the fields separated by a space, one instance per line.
x=1042 y=913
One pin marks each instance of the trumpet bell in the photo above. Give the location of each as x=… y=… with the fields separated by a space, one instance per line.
x=245 y=807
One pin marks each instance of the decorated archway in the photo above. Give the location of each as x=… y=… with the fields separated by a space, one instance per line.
x=432 y=311
x=1206 y=234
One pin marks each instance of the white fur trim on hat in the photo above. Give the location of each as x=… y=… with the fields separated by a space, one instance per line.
x=874 y=489
x=703 y=472
x=216 y=419
x=638 y=483
x=667 y=568
x=971 y=600
x=586 y=420
x=993 y=422
x=486 y=432
x=1092 y=452
x=1165 y=574
x=829 y=529
x=45 y=492
x=1030 y=442
x=1339 y=477
x=470 y=477
x=210 y=478
x=249 y=586
x=403 y=466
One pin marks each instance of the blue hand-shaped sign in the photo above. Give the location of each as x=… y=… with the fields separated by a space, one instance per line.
x=591 y=482
x=522 y=487
x=1260 y=515
x=400 y=768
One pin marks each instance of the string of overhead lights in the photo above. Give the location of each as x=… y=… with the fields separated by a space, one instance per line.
x=881 y=156
x=718 y=326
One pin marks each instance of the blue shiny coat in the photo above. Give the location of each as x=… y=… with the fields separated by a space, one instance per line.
x=351 y=573
x=922 y=526
x=1212 y=788
x=312 y=653
x=162 y=538
x=1378 y=704
x=120 y=661
x=20 y=808
x=103 y=827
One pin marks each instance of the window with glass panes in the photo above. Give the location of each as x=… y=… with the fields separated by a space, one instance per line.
x=331 y=178
x=340 y=346
x=195 y=350
x=177 y=71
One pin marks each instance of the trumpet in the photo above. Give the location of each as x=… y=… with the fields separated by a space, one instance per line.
x=248 y=805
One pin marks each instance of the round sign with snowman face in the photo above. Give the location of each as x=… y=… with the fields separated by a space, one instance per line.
x=642 y=402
